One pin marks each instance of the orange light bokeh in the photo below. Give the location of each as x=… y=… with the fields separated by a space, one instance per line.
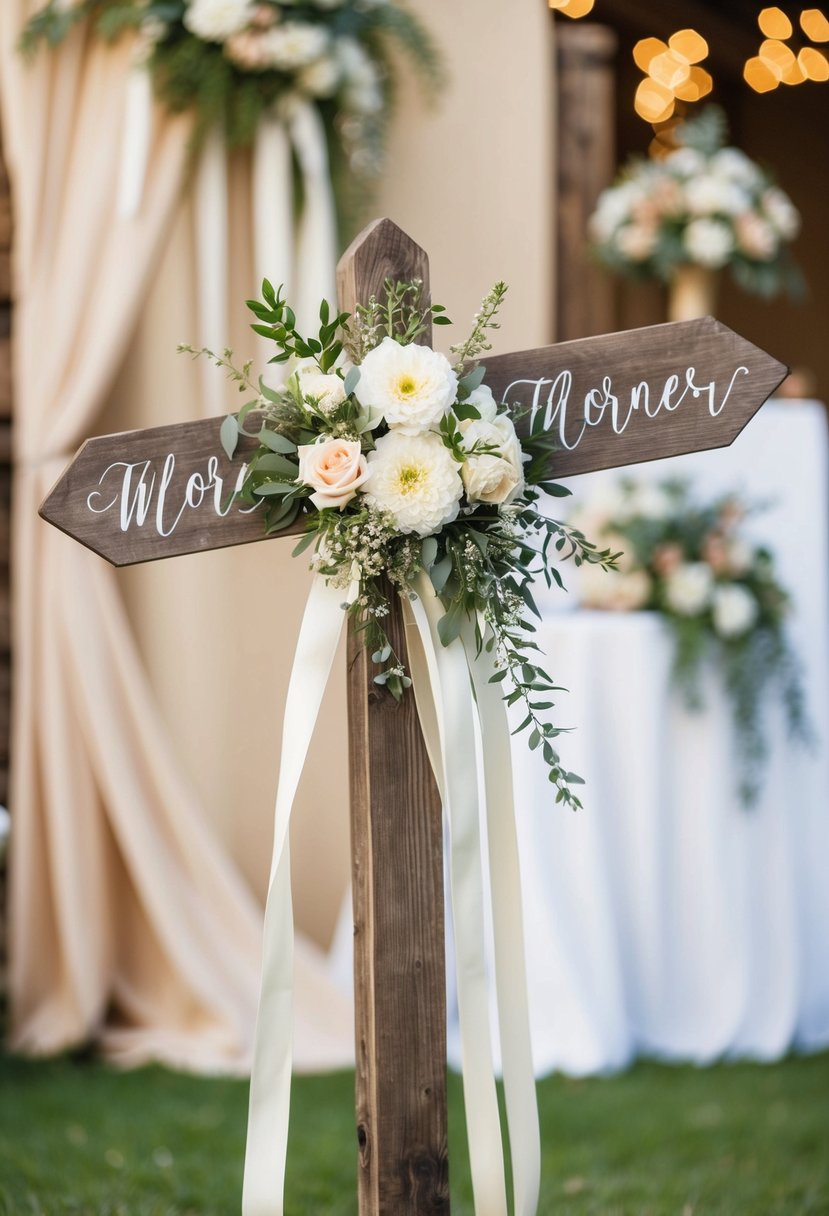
x=814 y=25
x=689 y=45
x=759 y=75
x=774 y=23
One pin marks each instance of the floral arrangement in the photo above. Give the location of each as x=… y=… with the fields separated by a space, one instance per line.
x=403 y=463
x=716 y=590
x=234 y=59
x=703 y=204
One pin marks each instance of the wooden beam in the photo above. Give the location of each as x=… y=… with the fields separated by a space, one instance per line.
x=585 y=164
x=397 y=875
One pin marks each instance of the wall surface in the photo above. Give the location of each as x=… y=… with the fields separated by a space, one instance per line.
x=470 y=179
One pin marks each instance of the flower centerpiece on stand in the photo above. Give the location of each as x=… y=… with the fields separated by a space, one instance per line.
x=718 y=593
x=695 y=212
x=234 y=60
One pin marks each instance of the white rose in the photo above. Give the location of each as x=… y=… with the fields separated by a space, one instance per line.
x=334 y=468
x=414 y=479
x=215 y=20
x=739 y=555
x=295 y=44
x=688 y=589
x=735 y=610
x=710 y=194
x=412 y=387
x=484 y=402
x=686 y=162
x=733 y=163
x=709 y=242
x=327 y=390
x=497 y=476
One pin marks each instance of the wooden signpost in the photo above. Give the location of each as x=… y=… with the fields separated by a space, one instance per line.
x=142 y=495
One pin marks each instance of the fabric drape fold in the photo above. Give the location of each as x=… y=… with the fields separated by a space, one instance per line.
x=128 y=923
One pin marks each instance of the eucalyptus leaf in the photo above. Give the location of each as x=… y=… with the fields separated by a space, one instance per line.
x=352 y=379
x=428 y=551
x=439 y=573
x=229 y=435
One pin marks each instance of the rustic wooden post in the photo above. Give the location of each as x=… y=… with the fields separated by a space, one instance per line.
x=143 y=495
x=397 y=874
x=585 y=160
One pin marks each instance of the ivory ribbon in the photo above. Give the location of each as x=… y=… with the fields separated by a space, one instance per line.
x=135 y=146
x=270 y=1084
x=317 y=230
x=444 y=679
x=273 y=218
x=505 y=886
x=210 y=196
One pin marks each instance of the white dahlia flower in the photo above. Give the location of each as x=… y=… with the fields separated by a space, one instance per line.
x=295 y=44
x=782 y=212
x=688 y=589
x=709 y=242
x=415 y=480
x=734 y=610
x=216 y=20
x=412 y=387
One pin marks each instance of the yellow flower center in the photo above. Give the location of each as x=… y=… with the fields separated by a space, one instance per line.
x=406 y=385
x=408 y=477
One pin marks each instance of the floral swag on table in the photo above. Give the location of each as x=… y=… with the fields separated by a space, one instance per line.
x=703 y=205
x=237 y=61
x=412 y=482
x=718 y=593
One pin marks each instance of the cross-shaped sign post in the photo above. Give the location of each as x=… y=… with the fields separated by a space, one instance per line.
x=610 y=401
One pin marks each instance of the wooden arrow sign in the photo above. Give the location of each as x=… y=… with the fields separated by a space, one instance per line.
x=610 y=401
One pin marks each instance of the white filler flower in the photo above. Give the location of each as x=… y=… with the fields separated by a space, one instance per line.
x=414 y=479
x=734 y=610
x=412 y=387
x=215 y=20
x=688 y=589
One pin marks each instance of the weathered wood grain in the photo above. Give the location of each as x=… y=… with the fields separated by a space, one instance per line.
x=639 y=395
x=611 y=400
x=397 y=874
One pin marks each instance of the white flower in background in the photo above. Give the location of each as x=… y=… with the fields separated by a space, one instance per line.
x=686 y=162
x=248 y=50
x=334 y=468
x=321 y=78
x=709 y=242
x=216 y=20
x=710 y=194
x=740 y=555
x=414 y=479
x=263 y=16
x=782 y=212
x=496 y=476
x=412 y=387
x=613 y=590
x=363 y=93
x=327 y=389
x=636 y=241
x=756 y=237
x=649 y=500
x=613 y=208
x=732 y=163
x=688 y=589
x=734 y=611
x=295 y=44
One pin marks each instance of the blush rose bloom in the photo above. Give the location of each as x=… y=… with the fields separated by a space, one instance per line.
x=334 y=468
x=498 y=476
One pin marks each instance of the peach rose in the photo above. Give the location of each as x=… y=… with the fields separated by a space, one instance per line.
x=334 y=468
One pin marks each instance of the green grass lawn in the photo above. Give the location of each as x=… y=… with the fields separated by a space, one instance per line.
x=735 y=1140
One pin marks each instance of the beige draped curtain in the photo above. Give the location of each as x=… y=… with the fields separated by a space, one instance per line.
x=128 y=924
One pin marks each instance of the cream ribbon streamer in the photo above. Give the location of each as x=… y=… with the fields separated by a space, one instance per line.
x=270 y=1085
x=505 y=885
x=135 y=146
x=211 y=207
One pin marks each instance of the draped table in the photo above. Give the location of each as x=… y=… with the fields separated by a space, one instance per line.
x=664 y=919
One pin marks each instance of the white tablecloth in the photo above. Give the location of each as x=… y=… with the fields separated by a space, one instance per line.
x=664 y=918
